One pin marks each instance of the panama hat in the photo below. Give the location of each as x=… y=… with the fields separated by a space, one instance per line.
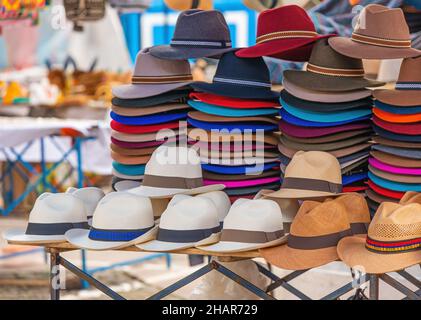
x=147 y=120
x=380 y=33
x=395 y=177
x=240 y=78
x=184 y=223
x=396 y=117
x=302 y=92
x=250 y=225
x=176 y=96
x=314 y=235
x=328 y=70
x=406 y=128
x=181 y=5
x=281 y=37
x=230 y=112
x=398 y=110
x=395 y=136
x=168 y=108
x=401 y=152
x=411 y=197
x=310 y=174
x=234 y=137
x=90 y=197
x=221 y=201
x=172 y=170
x=394 y=169
x=392 y=243
x=120 y=220
x=396 y=160
x=394 y=143
x=131 y=170
x=193 y=38
x=328 y=138
x=49 y=219
x=153 y=76
x=262 y=5
x=132 y=151
x=124 y=184
x=393 y=185
x=228 y=102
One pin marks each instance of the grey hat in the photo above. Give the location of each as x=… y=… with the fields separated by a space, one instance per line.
x=197 y=34
x=401 y=152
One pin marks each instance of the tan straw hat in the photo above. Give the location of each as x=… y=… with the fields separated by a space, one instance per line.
x=393 y=242
x=411 y=197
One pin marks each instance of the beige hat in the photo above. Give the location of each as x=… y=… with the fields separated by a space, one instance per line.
x=222 y=202
x=311 y=174
x=393 y=242
x=120 y=220
x=90 y=197
x=181 y=5
x=250 y=225
x=411 y=197
x=49 y=219
x=185 y=223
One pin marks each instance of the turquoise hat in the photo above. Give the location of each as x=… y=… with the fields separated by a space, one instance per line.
x=129 y=170
x=395 y=186
x=230 y=112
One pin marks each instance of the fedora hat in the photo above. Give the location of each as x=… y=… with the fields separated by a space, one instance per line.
x=262 y=5
x=280 y=37
x=131 y=151
x=194 y=38
x=385 y=192
x=393 y=185
x=124 y=159
x=184 y=223
x=90 y=197
x=412 y=129
x=232 y=147
x=328 y=70
x=230 y=112
x=240 y=78
x=401 y=152
x=235 y=103
x=378 y=198
x=328 y=138
x=143 y=140
x=130 y=170
x=120 y=220
x=239 y=177
x=181 y=5
x=175 y=96
x=399 y=110
x=124 y=184
x=240 y=170
x=251 y=191
x=396 y=117
x=116 y=126
x=148 y=120
x=250 y=225
x=393 y=169
x=380 y=33
x=411 y=197
x=221 y=201
x=310 y=174
x=408 y=88
x=218 y=154
x=395 y=143
x=314 y=235
x=172 y=170
x=301 y=91
x=146 y=111
x=49 y=219
x=395 y=177
x=221 y=137
x=153 y=76
x=127 y=177
x=392 y=243
x=201 y=116
x=245 y=183
x=396 y=136
x=395 y=160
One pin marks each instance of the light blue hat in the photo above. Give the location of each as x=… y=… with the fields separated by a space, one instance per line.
x=230 y=112
x=395 y=186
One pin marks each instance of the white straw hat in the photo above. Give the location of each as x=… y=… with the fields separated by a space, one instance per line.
x=186 y=223
x=120 y=220
x=250 y=225
x=90 y=197
x=49 y=219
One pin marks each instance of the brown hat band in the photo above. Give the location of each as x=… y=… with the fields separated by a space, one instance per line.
x=359 y=228
x=318 y=242
x=247 y=236
x=285 y=35
x=158 y=79
x=171 y=182
x=393 y=246
x=311 y=184
x=380 y=41
x=335 y=72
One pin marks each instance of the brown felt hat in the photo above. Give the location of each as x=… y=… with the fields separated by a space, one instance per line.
x=207 y=136
x=380 y=33
x=132 y=151
x=408 y=88
x=395 y=177
x=395 y=160
x=330 y=71
x=396 y=143
x=392 y=243
x=378 y=198
x=329 y=138
x=129 y=159
x=411 y=197
x=144 y=137
x=201 y=116
x=314 y=234
x=144 y=111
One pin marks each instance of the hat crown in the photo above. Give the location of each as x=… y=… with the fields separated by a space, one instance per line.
x=147 y=65
x=381 y=22
x=123 y=211
x=254 y=215
x=410 y=70
x=90 y=196
x=208 y=25
x=356 y=207
x=221 y=200
x=58 y=208
x=394 y=221
x=192 y=213
x=317 y=219
x=411 y=197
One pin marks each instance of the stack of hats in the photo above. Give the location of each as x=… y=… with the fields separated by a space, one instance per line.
x=234 y=125
x=155 y=101
x=328 y=108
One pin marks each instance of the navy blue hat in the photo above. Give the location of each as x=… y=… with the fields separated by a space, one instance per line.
x=396 y=109
x=350 y=179
x=394 y=136
x=239 y=169
x=147 y=120
x=244 y=78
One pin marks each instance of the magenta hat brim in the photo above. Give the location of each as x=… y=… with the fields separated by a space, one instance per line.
x=392 y=169
x=242 y=184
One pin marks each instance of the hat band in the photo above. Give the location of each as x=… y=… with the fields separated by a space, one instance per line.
x=171 y=182
x=318 y=242
x=116 y=235
x=159 y=79
x=393 y=246
x=49 y=229
x=376 y=41
x=311 y=184
x=243 y=82
x=247 y=236
x=201 y=43
x=185 y=236
x=335 y=72
x=285 y=35
x=408 y=86
x=359 y=228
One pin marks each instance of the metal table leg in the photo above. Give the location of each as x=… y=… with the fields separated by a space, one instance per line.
x=374 y=287
x=54 y=276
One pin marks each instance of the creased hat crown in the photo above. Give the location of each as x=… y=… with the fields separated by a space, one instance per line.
x=410 y=72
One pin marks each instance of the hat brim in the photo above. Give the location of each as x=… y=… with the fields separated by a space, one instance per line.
x=151 y=101
x=295 y=259
x=130 y=170
x=129 y=160
x=239 y=177
x=396 y=161
x=201 y=116
x=398 y=110
x=401 y=152
x=328 y=138
x=148 y=120
x=230 y=112
x=19 y=236
x=236 y=103
x=80 y=238
x=393 y=185
x=385 y=192
x=138 y=91
x=395 y=177
x=395 y=136
x=378 y=198
x=411 y=129
x=285 y=193
x=402 y=98
x=244 y=183
x=123 y=128
x=350 y=48
x=138 y=112
x=395 y=143
x=238 y=169
x=178 y=53
x=231 y=247
x=331 y=146
x=320 y=82
x=132 y=151
x=215 y=137
x=352 y=252
x=119 y=184
x=396 y=117
x=251 y=190
x=154 y=192
x=125 y=176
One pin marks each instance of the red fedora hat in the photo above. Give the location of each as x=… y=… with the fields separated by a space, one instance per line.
x=285 y=33
x=142 y=129
x=401 y=128
x=228 y=102
x=385 y=192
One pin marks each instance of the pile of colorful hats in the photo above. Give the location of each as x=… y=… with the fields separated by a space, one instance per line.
x=155 y=101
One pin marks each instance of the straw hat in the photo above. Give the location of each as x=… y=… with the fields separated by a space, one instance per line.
x=313 y=237
x=411 y=197
x=311 y=174
x=185 y=223
x=49 y=219
x=90 y=197
x=250 y=225
x=392 y=243
x=120 y=220
x=221 y=201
